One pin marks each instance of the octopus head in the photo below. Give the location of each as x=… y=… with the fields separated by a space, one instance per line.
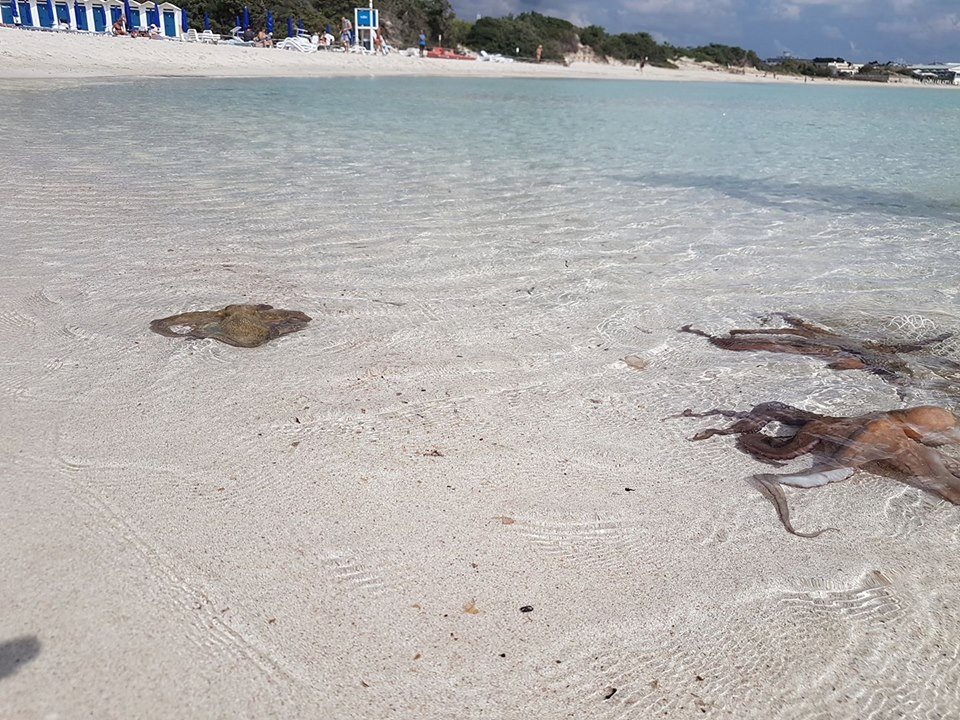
x=930 y=425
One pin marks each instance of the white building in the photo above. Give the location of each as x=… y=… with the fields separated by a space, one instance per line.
x=90 y=15
x=843 y=68
x=939 y=73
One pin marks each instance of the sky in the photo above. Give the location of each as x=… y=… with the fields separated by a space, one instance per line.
x=858 y=30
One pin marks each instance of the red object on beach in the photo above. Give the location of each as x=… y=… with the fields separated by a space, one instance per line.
x=444 y=54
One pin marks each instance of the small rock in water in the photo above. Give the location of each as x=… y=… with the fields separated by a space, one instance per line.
x=636 y=362
x=238 y=325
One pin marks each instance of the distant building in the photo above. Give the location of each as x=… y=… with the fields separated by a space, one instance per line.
x=937 y=73
x=837 y=66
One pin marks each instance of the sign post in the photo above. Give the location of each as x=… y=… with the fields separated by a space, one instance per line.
x=366 y=22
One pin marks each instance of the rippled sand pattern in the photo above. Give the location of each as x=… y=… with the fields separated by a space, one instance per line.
x=298 y=530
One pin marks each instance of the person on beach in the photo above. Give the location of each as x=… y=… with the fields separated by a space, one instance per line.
x=539 y=52
x=422 y=42
x=378 y=43
x=328 y=39
x=345 y=40
x=119 y=27
x=262 y=40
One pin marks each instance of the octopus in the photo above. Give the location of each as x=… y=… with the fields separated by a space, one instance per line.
x=841 y=352
x=245 y=326
x=899 y=443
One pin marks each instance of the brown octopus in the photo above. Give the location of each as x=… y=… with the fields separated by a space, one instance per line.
x=804 y=338
x=238 y=325
x=897 y=443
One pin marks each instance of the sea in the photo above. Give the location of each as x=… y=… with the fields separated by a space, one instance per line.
x=481 y=415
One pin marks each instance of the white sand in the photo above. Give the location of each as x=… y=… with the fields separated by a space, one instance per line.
x=346 y=522
x=25 y=54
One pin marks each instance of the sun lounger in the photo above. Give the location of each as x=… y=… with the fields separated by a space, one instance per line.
x=208 y=37
x=300 y=44
x=237 y=39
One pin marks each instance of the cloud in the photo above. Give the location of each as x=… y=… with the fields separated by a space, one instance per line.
x=944 y=25
x=876 y=29
x=832 y=32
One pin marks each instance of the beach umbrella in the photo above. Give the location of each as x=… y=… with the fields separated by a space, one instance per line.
x=53 y=13
x=237 y=23
x=269 y=22
x=159 y=14
x=77 y=9
x=14 y=10
x=289 y=27
x=127 y=14
x=206 y=22
x=246 y=17
x=299 y=22
x=183 y=19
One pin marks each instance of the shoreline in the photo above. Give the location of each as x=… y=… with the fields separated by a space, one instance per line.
x=26 y=55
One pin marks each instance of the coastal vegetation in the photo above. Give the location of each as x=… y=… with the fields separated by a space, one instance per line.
x=402 y=20
x=516 y=36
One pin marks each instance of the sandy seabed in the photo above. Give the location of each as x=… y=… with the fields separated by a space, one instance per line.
x=449 y=496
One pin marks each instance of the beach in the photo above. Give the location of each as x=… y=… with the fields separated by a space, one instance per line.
x=462 y=490
x=36 y=55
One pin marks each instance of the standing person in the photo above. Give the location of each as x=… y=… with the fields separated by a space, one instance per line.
x=539 y=52
x=422 y=42
x=643 y=63
x=378 y=43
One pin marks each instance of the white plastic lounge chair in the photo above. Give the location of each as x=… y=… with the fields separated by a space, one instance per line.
x=300 y=44
x=190 y=36
x=237 y=39
x=208 y=37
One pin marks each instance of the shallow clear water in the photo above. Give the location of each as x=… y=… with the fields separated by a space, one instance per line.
x=477 y=256
x=781 y=188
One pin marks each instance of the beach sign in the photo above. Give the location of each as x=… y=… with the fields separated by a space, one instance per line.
x=366 y=22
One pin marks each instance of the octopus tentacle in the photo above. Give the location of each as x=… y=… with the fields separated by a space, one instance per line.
x=757 y=444
x=771 y=490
